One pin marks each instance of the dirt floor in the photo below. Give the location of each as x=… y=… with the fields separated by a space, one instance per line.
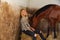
x=26 y=37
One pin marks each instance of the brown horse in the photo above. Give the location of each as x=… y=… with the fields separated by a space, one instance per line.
x=51 y=13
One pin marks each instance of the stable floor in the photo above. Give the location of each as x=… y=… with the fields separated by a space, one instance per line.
x=26 y=37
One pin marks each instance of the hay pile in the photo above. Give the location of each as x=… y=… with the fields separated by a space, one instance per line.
x=9 y=22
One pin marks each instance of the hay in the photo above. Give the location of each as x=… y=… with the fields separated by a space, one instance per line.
x=9 y=22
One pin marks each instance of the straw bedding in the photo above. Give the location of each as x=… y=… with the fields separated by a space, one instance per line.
x=9 y=22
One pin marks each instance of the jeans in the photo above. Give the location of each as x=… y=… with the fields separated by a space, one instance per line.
x=40 y=34
x=32 y=34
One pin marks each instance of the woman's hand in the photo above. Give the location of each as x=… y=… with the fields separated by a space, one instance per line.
x=32 y=28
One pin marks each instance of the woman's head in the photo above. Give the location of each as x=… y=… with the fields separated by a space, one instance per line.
x=23 y=12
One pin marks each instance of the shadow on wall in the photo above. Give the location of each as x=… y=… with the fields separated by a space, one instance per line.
x=31 y=10
x=9 y=23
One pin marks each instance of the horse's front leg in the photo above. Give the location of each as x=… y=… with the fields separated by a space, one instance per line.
x=53 y=22
x=49 y=27
x=48 y=31
x=54 y=29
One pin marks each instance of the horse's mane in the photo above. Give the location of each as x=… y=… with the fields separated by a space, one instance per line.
x=42 y=9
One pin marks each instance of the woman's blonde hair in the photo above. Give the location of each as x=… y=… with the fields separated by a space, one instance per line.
x=21 y=10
